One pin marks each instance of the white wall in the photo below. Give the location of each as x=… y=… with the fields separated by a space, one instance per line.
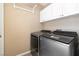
x=66 y=23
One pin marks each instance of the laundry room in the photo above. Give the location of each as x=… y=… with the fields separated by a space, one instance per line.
x=39 y=29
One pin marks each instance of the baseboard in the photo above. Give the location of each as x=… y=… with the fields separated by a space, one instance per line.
x=24 y=53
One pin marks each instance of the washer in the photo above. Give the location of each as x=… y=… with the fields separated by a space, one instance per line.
x=56 y=45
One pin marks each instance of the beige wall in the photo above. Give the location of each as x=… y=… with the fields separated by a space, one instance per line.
x=18 y=26
x=66 y=23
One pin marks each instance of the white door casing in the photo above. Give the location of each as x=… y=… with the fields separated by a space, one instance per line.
x=1 y=29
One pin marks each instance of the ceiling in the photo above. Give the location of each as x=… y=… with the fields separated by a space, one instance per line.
x=40 y=6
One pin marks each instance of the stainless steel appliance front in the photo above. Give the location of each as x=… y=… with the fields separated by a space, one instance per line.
x=50 y=47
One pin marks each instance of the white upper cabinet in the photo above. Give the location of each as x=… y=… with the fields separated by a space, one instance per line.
x=77 y=7
x=58 y=10
x=53 y=11
x=69 y=9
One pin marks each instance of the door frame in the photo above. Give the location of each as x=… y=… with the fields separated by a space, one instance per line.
x=2 y=34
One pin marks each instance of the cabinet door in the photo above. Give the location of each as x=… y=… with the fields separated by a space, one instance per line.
x=53 y=11
x=77 y=8
x=69 y=9
x=45 y=14
x=56 y=10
